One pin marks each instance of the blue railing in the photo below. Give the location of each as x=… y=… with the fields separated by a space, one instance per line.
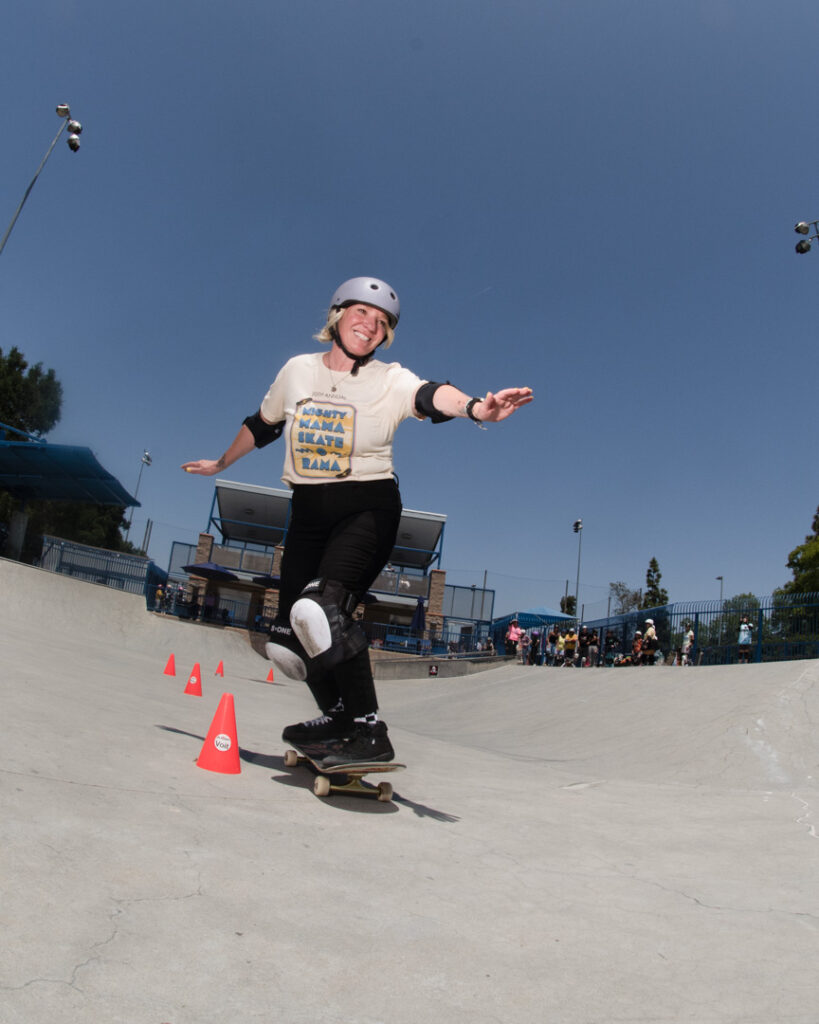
x=784 y=627
x=119 y=570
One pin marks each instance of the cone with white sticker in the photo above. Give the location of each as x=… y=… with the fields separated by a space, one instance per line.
x=194 y=687
x=220 y=752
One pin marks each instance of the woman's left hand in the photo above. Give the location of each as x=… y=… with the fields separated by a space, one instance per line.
x=499 y=405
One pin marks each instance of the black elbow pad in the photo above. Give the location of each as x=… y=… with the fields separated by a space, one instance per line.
x=263 y=433
x=423 y=402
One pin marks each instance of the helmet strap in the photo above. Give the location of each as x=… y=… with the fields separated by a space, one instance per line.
x=358 y=361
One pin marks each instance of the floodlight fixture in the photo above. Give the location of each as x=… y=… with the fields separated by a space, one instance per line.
x=74 y=128
x=803 y=246
x=802 y=228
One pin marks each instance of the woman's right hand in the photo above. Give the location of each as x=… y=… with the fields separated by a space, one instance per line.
x=203 y=467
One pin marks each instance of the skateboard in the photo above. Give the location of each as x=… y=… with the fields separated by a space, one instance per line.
x=347 y=777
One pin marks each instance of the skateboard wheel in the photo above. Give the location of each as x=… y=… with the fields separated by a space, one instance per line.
x=384 y=791
x=291 y=759
x=321 y=787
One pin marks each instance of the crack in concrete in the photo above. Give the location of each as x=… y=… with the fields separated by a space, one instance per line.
x=121 y=905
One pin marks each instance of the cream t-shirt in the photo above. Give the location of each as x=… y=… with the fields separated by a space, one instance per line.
x=344 y=433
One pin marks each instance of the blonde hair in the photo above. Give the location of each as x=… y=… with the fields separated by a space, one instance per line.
x=333 y=317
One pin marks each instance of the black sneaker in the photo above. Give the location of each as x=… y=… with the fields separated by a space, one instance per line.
x=332 y=726
x=366 y=743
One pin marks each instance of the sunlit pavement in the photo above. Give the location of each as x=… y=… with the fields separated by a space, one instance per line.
x=565 y=845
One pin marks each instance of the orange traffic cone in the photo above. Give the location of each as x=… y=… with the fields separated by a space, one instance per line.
x=269 y=676
x=220 y=752
x=194 y=687
x=220 y=670
x=170 y=668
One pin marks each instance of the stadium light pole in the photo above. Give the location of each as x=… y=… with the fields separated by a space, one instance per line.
x=74 y=132
x=577 y=526
x=143 y=462
x=721 y=581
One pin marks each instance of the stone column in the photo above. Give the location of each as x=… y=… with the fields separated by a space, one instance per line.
x=435 y=605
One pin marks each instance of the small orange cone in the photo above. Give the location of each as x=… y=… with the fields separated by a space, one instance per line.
x=194 y=687
x=170 y=668
x=220 y=752
x=269 y=676
x=220 y=670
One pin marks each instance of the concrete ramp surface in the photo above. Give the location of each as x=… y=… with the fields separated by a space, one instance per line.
x=577 y=847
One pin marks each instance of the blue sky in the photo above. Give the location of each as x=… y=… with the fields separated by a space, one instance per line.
x=594 y=198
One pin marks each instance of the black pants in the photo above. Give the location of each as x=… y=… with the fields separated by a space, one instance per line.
x=341 y=531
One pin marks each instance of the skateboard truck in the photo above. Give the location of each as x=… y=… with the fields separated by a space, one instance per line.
x=324 y=785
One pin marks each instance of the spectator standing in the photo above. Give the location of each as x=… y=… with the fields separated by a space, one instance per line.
x=583 y=646
x=594 y=648
x=610 y=646
x=744 y=642
x=551 y=645
x=687 y=646
x=649 y=643
x=534 y=649
x=570 y=647
x=524 y=646
x=513 y=635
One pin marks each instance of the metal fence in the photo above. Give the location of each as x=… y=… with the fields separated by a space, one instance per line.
x=131 y=573
x=453 y=641
x=784 y=627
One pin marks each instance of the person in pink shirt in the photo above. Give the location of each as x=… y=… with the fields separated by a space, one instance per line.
x=513 y=635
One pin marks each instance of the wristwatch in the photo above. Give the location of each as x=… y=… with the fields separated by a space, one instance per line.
x=470 y=405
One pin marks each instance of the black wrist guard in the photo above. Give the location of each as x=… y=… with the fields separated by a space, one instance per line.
x=424 y=405
x=263 y=433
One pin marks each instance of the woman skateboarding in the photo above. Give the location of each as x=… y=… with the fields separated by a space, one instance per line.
x=338 y=411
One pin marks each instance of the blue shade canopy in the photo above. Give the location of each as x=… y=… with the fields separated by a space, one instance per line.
x=533 y=617
x=36 y=470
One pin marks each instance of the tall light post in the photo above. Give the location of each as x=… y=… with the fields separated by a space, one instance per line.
x=721 y=581
x=74 y=132
x=577 y=526
x=143 y=462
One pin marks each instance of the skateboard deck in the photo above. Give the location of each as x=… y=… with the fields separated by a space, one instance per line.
x=345 y=778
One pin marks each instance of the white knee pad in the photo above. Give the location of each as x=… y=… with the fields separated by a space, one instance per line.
x=286 y=652
x=321 y=619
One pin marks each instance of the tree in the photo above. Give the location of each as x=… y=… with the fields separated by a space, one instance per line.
x=655 y=596
x=623 y=598
x=98 y=526
x=803 y=562
x=568 y=604
x=29 y=401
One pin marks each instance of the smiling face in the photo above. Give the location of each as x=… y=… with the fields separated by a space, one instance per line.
x=362 y=328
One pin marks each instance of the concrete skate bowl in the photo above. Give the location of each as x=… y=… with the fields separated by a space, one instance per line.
x=734 y=726
x=43 y=608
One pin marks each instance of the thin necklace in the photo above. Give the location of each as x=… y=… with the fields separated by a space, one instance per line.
x=335 y=385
